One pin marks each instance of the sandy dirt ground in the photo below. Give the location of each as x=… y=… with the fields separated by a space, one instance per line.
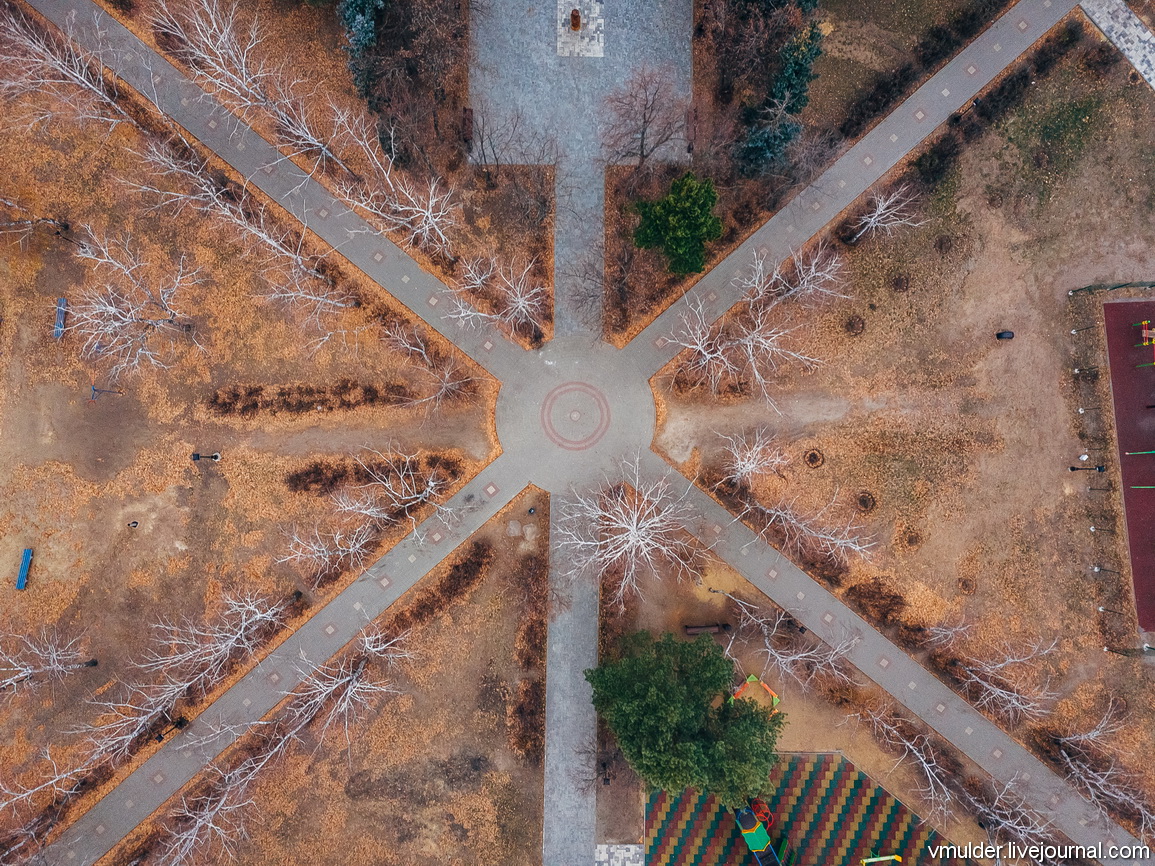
x=76 y=473
x=964 y=442
x=439 y=773
x=813 y=724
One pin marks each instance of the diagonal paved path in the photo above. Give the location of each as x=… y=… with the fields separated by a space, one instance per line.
x=264 y=167
x=856 y=171
x=567 y=415
x=906 y=680
x=97 y=831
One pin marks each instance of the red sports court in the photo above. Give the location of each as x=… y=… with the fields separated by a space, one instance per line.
x=1132 y=391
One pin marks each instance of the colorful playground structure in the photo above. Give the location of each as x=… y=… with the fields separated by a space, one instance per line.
x=821 y=811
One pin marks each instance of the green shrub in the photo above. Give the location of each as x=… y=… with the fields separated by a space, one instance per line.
x=681 y=224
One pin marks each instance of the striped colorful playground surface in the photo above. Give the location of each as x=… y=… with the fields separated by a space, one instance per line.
x=832 y=814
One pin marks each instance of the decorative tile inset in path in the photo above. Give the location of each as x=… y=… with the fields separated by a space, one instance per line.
x=589 y=40
x=830 y=813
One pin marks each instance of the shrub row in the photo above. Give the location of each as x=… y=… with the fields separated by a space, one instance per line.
x=325 y=476
x=937 y=161
x=462 y=578
x=936 y=46
x=249 y=400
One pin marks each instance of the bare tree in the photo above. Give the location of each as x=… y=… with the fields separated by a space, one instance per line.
x=1002 y=811
x=945 y=634
x=886 y=213
x=744 y=350
x=999 y=686
x=812 y=277
x=197 y=656
x=224 y=56
x=57 y=781
x=747 y=457
x=449 y=379
x=337 y=695
x=513 y=297
x=403 y=485
x=294 y=277
x=324 y=554
x=643 y=116
x=210 y=822
x=1087 y=759
x=38 y=61
x=25 y=223
x=126 y=721
x=760 y=344
x=124 y=319
x=424 y=213
x=801 y=532
x=710 y=356
x=937 y=770
x=786 y=650
x=626 y=529
x=27 y=662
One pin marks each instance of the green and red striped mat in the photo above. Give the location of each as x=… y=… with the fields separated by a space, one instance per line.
x=832 y=814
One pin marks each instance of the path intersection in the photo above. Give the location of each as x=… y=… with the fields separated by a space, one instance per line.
x=569 y=416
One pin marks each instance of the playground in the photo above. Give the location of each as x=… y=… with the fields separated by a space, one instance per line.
x=963 y=442
x=824 y=811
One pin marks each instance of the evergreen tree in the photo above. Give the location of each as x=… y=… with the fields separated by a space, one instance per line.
x=681 y=224
x=666 y=702
x=792 y=86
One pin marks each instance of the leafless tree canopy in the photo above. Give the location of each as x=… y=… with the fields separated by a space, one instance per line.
x=787 y=652
x=27 y=662
x=423 y=213
x=511 y=295
x=132 y=319
x=212 y=821
x=625 y=530
x=644 y=115
x=295 y=278
x=812 y=533
x=224 y=57
x=939 y=772
x=888 y=210
x=36 y=61
x=748 y=457
x=741 y=353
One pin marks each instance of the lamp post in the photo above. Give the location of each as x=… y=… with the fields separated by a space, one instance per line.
x=1098 y=568
x=1080 y=330
x=1108 y=610
x=1100 y=529
x=1087 y=468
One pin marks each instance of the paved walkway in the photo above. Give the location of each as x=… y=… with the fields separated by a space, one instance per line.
x=809 y=212
x=1124 y=28
x=568 y=415
x=525 y=63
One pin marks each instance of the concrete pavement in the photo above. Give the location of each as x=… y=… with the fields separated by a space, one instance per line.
x=567 y=415
x=856 y=171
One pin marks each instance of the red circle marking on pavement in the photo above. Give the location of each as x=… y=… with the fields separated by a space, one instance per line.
x=547 y=415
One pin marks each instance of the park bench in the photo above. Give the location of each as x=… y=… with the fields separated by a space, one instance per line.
x=61 y=313
x=25 y=564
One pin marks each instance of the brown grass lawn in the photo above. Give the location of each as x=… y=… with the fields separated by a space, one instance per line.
x=964 y=442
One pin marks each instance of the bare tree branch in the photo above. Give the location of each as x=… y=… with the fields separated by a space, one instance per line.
x=627 y=529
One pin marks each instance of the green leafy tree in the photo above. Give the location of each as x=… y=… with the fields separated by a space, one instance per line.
x=681 y=223
x=666 y=702
x=792 y=86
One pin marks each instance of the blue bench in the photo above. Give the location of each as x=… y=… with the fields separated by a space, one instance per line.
x=61 y=313
x=25 y=563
